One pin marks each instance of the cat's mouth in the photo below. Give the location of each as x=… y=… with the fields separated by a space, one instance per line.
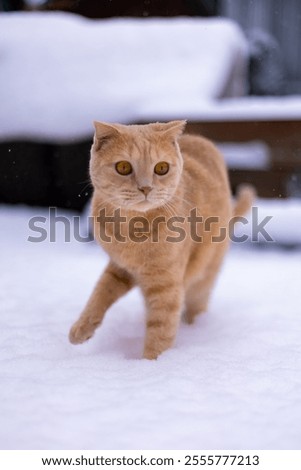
x=143 y=202
x=146 y=204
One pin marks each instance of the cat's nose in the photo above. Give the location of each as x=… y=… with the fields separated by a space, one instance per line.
x=145 y=189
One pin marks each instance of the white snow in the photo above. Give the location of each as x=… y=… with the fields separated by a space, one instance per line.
x=283 y=226
x=232 y=381
x=249 y=155
x=59 y=71
x=244 y=108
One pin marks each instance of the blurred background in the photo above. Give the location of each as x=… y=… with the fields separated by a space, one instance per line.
x=65 y=63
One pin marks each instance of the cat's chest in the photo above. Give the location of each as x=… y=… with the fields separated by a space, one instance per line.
x=140 y=243
x=137 y=239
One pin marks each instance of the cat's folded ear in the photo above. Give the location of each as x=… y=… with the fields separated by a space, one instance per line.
x=103 y=129
x=103 y=132
x=171 y=129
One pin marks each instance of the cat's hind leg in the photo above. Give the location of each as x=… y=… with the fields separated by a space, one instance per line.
x=114 y=283
x=196 y=299
x=198 y=291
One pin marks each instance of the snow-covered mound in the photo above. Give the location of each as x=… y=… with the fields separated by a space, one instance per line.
x=59 y=71
x=232 y=381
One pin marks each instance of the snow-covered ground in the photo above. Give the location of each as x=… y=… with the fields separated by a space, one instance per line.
x=232 y=381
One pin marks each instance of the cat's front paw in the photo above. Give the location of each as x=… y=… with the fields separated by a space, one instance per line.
x=150 y=355
x=80 y=332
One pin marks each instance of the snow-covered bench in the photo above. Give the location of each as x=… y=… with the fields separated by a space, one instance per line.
x=274 y=121
x=60 y=71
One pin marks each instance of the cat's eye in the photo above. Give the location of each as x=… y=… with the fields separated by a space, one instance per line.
x=161 y=168
x=124 y=168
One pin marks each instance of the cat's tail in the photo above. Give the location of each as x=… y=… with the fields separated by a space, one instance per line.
x=245 y=197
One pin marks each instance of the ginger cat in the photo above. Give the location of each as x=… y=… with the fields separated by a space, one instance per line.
x=161 y=210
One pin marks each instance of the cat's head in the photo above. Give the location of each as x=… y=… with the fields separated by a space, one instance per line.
x=136 y=167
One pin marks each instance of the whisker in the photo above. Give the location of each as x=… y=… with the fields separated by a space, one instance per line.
x=85 y=181
x=108 y=201
x=170 y=209
x=186 y=201
x=88 y=185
